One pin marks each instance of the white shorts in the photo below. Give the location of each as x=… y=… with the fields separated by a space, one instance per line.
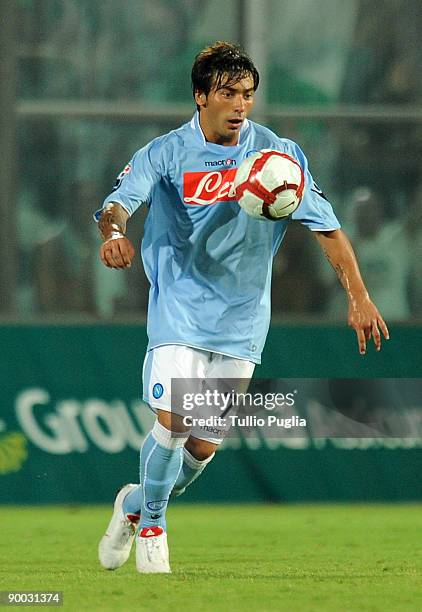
x=163 y=363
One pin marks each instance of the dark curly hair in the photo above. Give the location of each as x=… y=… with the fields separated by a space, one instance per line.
x=221 y=64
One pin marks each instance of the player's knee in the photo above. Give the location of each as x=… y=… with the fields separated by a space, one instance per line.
x=200 y=449
x=170 y=421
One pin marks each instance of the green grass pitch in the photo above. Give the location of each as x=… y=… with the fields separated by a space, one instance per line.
x=296 y=558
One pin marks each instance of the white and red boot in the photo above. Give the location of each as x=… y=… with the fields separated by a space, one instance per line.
x=152 y=553
x=115 y=545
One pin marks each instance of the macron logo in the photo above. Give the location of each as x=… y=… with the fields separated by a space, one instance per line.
x=221 y=162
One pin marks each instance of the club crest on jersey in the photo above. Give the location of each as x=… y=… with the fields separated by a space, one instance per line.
x=122 y=175
x=157 y=390
x=207 y=188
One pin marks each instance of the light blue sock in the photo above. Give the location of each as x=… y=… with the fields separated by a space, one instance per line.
x=161 y=460
x=191 y=469
x=133 y=501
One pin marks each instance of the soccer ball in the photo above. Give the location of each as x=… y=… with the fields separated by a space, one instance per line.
x=269 y=185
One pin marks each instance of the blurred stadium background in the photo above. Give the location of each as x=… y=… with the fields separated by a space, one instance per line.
x=84 y=83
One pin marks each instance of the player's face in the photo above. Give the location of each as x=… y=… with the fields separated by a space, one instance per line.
x=223 y=111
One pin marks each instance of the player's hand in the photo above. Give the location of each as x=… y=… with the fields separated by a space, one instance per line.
x=117 y=253
x=366 y=320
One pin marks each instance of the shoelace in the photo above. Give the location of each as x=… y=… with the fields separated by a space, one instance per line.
x=153 y=547
x=129 y=530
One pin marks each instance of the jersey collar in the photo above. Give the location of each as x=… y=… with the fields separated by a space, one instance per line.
x=195 y=125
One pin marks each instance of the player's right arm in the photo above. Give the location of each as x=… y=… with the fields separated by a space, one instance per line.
x=134 y=186
x=116 y=251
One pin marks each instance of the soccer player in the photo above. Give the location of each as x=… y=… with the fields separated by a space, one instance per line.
x=209 y=265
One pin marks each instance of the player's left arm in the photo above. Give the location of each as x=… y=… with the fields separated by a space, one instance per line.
x=364 y=316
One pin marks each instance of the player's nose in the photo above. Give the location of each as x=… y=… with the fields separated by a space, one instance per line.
x=239 y=103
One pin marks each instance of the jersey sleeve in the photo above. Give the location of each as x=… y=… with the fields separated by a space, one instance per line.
x=315 y=211
x=137 y=180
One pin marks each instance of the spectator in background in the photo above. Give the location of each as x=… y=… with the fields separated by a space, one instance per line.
x=384 y=68
x=385 y=60
x=59 y=274
x=384 y=253
x=78 y=282
x=297 y=290
x=415 y=237
x=106 y=50
x=35 y=230
x=66 y=286
x=80 y=50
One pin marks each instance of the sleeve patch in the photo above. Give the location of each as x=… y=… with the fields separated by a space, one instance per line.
x=122 y=175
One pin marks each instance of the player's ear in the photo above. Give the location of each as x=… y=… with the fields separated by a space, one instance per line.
x=200 y=98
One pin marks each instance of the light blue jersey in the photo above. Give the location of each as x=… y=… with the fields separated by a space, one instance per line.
x=208 y=262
